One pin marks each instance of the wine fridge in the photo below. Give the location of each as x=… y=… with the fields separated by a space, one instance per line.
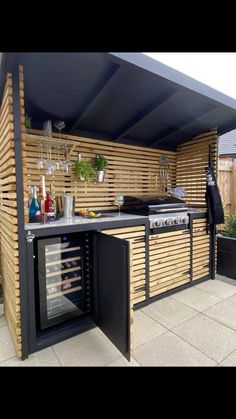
x=61 y=273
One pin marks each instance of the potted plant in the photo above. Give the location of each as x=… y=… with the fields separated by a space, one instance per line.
x=27 y=123
x=84 y=170
x=100 y=165
x=226 y=248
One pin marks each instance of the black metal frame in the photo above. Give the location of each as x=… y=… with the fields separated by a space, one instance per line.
x=20 y=212
x=26 y=251
x=170 y=292
x=87 y=322
x=192 y=282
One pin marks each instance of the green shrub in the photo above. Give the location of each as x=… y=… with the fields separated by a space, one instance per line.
x=84 y=170
x=100 y=163
x=230 y=226
x=27 y=122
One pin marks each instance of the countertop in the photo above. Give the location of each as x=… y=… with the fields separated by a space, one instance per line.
x=77 y=220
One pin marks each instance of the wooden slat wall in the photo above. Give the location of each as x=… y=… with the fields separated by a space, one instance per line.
x=169 y=261
x=131 y=170
x=201 y=243
x=8 y=218
x=192 y=158
x=136 y=237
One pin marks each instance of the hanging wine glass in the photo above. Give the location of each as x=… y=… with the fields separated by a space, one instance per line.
x=41 y=161
x=67 y=163
x=49 y=164
x=59 y=125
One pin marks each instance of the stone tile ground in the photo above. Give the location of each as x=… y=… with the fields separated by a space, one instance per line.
x=194 y=327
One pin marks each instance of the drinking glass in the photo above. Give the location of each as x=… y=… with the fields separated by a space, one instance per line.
x=47 y=128
x=119 y=200
x=59 y=125
x=41 y=161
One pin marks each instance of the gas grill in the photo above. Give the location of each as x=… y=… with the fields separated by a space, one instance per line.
x=163 y=211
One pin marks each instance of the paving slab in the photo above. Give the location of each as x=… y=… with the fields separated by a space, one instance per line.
x=232 y=299
x=224 y=312
x=6 y=346
x=212 y=338
x=195 y=298
x=170 y=350
x=44 y=358
x=226 y=280
x=3 y=321
x=91 y=348
x=230 y=361
x=217 y=288
x=145 y=328
x=169 y=312
x=123 y=362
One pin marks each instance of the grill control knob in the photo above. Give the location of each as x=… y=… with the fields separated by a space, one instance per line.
x=184 y=220
x=158 y=223
x=168 y=222
x=177 y=221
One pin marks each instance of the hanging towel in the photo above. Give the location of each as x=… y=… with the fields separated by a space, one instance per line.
x=215 y=213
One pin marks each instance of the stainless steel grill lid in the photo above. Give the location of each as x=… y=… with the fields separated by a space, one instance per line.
x=147 y=205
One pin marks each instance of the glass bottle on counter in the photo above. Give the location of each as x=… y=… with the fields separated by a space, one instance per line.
x=49 y=207
x=41 y=200
x=34 y=209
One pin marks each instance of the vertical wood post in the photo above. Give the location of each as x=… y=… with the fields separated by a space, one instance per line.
x=20 y=209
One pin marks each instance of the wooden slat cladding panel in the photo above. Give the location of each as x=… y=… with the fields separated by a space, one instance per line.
x=201 y=249
x=8 y=217
x=131 y=170
x=192 y=158
x=136 y=237
x=169 y=261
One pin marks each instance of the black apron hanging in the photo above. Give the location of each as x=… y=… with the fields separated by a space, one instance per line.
x=215 y=213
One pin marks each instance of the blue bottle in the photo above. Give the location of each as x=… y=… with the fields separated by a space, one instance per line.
x=34 y=209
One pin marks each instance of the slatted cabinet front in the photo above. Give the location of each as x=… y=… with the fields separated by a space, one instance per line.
x=201 y=249
x=136 y=237
x=169 y=261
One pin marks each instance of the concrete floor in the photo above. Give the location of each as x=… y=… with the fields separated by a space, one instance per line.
x=194 y=327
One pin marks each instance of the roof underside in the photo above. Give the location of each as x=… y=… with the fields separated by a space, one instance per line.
x=122 y=97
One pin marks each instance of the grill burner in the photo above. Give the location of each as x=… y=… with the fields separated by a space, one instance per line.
x=163 y=211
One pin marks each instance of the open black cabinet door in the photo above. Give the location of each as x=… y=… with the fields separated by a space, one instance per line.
x=112 y=290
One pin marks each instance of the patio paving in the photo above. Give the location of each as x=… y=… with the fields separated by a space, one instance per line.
x=194 y=327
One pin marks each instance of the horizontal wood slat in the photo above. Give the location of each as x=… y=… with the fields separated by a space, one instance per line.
x=201 y=249
x=8 y=219
x=136 y=237
x=192 y=158
x=132 y=170
x=169 y=265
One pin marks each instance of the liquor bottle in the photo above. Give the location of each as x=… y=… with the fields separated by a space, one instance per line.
x=34 y=210
x=52 y=193
x=26 y=206
x=49 y=207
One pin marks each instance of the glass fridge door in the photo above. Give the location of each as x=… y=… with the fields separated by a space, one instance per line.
x=60 y=275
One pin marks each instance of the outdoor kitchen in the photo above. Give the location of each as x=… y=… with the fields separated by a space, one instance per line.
x=95 y=227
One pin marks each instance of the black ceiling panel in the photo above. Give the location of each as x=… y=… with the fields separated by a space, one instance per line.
x=125 y=97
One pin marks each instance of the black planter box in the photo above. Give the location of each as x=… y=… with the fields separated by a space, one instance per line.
x=226 y=256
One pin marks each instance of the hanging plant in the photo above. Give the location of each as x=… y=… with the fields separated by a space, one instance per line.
x=100 y=165
x=84 y=170
x=27 y=122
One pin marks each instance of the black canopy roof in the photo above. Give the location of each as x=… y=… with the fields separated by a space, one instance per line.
x=125 y=97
